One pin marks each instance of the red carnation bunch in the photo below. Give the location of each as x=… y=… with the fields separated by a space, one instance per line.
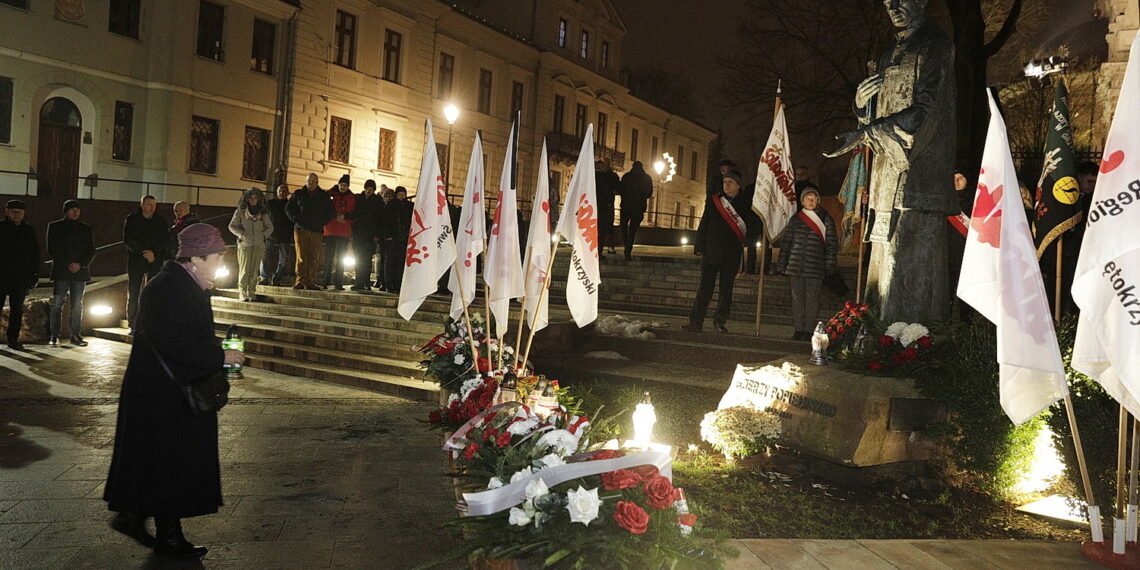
x=842 y=328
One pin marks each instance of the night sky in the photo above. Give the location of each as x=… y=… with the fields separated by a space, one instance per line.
x=690 y=35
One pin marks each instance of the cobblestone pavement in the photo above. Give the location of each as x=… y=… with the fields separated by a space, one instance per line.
x=314 y=475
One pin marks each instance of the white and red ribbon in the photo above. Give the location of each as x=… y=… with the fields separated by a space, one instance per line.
x=733 y=219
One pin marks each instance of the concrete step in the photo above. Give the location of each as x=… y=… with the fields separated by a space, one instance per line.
x=399 y=346
x=404 y=367
x=698 y=351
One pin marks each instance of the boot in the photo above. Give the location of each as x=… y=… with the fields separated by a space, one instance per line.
x=134 y=526
x=170 y=542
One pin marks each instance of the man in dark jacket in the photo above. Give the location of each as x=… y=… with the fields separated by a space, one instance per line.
x=309 y=208
x=365 y=235
x=148 y=244
x=182 y=217
x=278 y=262
x=391 y=247
x=636 y=189
x=720 y=243
x=19 y=266
x=71 y=247
x=609 y=186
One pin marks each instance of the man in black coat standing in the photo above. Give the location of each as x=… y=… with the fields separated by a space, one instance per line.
x=72 y=247
x=365 y=235
x=19 y=266
x=720 y=243
x=278 y=262
x=636 y=189
x=309 y=208
x=609 y=186
x=148 y=243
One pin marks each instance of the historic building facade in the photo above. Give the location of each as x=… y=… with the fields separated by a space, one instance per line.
x=370 y=72
x=98 y=96
x=1123 y=23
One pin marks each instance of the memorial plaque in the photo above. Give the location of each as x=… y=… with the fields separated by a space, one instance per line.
x=833 y=414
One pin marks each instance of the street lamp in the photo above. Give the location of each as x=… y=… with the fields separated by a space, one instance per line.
x=451 y=113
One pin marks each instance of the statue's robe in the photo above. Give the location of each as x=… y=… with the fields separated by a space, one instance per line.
x=912 y=132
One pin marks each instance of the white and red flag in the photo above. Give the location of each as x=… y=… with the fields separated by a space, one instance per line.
x=1001 y=279
x=431 y=245
x=503 y=273
x=775 y=197
x=578 y=224
x=1106 y=285
x=471 y=233
x=538 y=245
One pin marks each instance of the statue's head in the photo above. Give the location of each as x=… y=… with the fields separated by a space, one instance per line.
x=906 y=13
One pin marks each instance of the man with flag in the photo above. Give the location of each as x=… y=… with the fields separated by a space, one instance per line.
x=578 y=224
x=431 y=246
x=1001 y=280
x=470 y=233
x=503 y=273
x=1057 y=208
x=720 y=243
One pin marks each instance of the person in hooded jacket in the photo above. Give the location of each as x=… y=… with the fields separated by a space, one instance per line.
x=165 y=461
x=807 y=255
x=252 y=225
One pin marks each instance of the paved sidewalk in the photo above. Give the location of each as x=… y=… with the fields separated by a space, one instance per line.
x=314 y=475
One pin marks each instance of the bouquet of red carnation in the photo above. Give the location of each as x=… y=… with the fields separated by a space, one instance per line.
x=843 y=328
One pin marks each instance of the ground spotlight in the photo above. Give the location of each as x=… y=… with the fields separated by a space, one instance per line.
x=684 y=241
x=100 y=310
x=349 y=261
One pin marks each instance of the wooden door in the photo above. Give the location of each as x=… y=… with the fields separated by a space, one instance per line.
x=61 y=135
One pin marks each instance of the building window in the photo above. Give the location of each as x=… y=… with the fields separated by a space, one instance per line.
x=693 y=166
x=600 y=135
x=446 y=75
x=516 y=99
x=124 y=125
x=676 y=214
x=123 y=18
x=443 y=151
x=340 y=139
x=386 y=157
x=680 y=159
x=580 y=121
x=584 y=51
x=211 y=20
x=264 y=38
x=559 y=113
x=563 y=31
x=255 y=154
x=606 y=55
x=692 y=217
x=485 y=81
x=653 y=150
x=633 y=144
x=392 y=55
x=345 y=40
x=617 y=135
x=6 y=92
x=204 y=145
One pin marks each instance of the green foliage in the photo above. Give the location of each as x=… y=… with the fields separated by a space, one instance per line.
x=1097 y=417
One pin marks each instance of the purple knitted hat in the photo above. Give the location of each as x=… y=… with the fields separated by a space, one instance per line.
x=200 y=240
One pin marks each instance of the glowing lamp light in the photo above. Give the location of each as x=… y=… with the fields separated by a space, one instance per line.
x=222 y=272
x=349 y=261
x=659 y=167
x=684 y=241
x=644 y=417
x=554 y=239
x=757 y=244
x=451 y=113
x=819 y=344
x=101 y=310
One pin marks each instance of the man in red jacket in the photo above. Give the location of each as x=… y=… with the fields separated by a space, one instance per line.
x=338 y=232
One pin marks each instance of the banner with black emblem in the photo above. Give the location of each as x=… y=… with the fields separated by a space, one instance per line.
x=1058 y=198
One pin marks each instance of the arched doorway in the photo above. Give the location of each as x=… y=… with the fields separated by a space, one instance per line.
x=61 y=134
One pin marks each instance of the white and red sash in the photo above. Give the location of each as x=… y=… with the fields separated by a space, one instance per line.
x=961 y=222
x=734 y=221
x=814 y=223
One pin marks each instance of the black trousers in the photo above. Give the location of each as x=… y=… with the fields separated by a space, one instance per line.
x=363 y=248
x=335 y=248
x=135 y=284
x=15 y=295
x=278 y=262
x=709 y=273
x=630 y=222
x=393 y=263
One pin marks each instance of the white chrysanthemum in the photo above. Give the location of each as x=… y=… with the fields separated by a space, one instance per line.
x=469 y=386
x=895 y=329
x=562 y=441
x=451 y=398
x=519 y=517
x=494 y=483
x=552 y=460
x=459 y=358
x=521 y=474
x=740 y=430
x=583 y=505
x=911 y=333
x=536 y=488
x=524 y=427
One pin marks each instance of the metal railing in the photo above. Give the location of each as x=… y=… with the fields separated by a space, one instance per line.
x=95 y=188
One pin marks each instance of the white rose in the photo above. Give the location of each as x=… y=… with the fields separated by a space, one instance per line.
x=583 y=505
x=536 y=488
x=459 y=358
x=522 y=474
x=519 y=517
x=524 y=427
x=563 y=442
x=552 y=460
x=494 y=483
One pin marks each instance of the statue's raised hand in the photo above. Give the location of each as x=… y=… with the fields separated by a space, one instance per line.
x=867 y=89
x=847 y=142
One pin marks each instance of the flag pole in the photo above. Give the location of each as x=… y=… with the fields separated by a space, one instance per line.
x=864 y=209
x=1057 y=293
x=522 y=310
x=466 y=315
x=760 y=281
x=541 y=297
x=1090 y=498
x=1134 y=463
x=1118 y=530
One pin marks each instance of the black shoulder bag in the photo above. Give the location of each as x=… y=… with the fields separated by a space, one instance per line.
x=204 y=396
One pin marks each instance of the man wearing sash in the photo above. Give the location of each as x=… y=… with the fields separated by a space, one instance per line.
x=720 y=243
x=911 y=132
x=807 y=255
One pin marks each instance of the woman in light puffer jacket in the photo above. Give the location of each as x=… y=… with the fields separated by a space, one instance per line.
x=252 y=226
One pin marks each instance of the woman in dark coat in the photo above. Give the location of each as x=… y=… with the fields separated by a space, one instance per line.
x=807 y=255
x=165 y=463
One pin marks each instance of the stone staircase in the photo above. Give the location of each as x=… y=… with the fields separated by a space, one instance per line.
x=358 y=339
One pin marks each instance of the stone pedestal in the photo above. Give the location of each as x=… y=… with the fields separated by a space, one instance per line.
x=847 y=418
